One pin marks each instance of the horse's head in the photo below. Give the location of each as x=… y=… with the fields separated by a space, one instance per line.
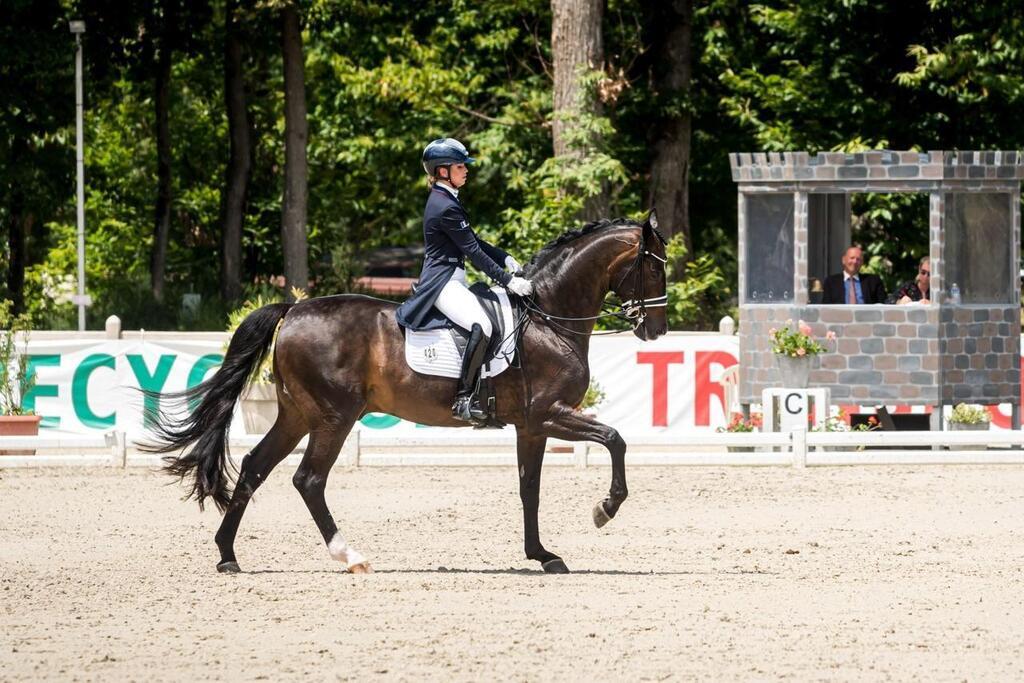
x=638 y=278
x=574 y=272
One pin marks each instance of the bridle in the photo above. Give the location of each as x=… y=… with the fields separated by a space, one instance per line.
x=636 y=309
x=633 y=310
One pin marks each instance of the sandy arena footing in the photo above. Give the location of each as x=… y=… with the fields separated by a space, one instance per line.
x=707 y=573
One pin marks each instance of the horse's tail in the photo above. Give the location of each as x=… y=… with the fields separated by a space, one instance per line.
x=206 y=428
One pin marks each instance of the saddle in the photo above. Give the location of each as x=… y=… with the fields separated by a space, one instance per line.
x=439 y=352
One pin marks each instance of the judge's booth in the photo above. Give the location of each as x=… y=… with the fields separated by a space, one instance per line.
x=794 y=225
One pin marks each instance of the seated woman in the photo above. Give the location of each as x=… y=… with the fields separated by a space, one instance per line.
x=916 y=290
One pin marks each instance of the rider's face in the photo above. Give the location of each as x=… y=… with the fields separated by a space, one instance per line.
x=457 y=175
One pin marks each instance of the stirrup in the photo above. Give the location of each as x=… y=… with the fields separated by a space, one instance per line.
x=468 y=409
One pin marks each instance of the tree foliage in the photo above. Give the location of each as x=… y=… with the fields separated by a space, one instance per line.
x=382 y=79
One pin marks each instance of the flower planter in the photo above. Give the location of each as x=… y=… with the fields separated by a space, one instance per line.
x=19 y=425
x=794 y=372
x=965 y=427
x=259 y=408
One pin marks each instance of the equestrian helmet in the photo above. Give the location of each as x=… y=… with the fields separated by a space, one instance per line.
x=445 y=152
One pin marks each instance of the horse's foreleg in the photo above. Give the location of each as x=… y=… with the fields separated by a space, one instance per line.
x=325 y=442
x=256 y=466
x=563 y=422
x=530 y=454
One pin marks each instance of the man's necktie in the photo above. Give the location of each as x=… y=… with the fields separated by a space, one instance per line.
x=851 y=291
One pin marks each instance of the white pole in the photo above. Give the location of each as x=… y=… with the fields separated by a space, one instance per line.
x=80 y=162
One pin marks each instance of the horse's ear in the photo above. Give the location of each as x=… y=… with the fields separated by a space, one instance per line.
x=652 y=219
x=651 y=226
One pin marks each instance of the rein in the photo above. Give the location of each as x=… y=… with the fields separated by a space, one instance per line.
x=632 y=309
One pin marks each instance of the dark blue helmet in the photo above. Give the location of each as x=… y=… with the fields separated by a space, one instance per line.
x=445 y=152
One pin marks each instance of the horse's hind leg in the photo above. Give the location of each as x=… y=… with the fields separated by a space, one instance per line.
x=325 y=442
x=256 y=466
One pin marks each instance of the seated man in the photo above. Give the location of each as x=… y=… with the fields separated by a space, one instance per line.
x=850 y=286
x=918 y=289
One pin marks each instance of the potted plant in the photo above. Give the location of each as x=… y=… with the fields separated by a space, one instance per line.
x=259 y=398
x=839 y=422
x=969 y=417
x=14 y=378
x=794 y=350
x=739 y=425
x=594 y=397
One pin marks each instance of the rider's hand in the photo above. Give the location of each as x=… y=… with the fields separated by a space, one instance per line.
x=511 y=265
x=520 y=285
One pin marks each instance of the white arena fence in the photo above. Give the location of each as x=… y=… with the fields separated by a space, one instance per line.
x=476 y=448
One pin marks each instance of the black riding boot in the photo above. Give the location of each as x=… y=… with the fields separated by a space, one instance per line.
x=467 y=407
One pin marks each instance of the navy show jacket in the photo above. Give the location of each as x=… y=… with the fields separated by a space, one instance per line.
x=448 y=240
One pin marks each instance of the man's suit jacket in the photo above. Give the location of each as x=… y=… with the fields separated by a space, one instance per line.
x=871 y=287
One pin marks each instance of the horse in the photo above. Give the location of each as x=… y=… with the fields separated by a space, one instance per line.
x=337 y=358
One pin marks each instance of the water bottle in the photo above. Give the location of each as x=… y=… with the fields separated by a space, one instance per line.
x=954 y=294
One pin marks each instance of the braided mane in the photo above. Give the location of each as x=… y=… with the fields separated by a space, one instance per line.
x=572 y=235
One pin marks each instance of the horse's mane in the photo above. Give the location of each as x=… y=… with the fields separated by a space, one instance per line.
x=572 y=235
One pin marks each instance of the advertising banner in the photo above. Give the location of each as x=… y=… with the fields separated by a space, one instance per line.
x=87 y=386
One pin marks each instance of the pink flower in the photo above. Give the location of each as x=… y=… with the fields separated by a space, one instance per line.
x=804 y=328
x=772 y=331
x=830 y=335
x=801 y=351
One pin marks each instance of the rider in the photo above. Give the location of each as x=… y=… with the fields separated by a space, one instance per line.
x=441 y=291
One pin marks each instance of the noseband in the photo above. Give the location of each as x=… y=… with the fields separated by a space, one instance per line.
x=636 y=309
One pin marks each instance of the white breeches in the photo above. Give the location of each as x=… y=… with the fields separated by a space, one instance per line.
x=461 y=306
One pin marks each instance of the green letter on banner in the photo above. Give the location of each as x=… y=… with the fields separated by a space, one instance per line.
x=379 y=420
x=152 y=383
x=28 y=398
x=198 y=373
x=80 y=391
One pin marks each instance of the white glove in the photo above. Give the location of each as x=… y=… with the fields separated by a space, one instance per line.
x=520 y=286
x=511 y=265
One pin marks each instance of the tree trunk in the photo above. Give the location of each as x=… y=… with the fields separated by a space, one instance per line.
x=19 y=225
x=670 y=168
x=161 y=100
x=577 y=46
x=293 y=212
x=237 y=174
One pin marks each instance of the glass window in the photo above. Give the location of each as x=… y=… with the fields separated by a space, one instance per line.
x=977 y=250
x=769 y=245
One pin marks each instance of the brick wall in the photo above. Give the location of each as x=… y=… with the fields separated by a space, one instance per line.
x=979 y=350
x=890 y=166
x=881 y=353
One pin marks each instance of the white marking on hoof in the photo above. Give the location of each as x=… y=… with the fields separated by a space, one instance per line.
x=600 y=516
x=347 y=555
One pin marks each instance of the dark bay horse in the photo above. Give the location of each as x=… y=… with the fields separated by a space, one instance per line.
x=339 y=357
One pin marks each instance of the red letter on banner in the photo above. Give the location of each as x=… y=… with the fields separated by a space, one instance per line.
x=706 y=388
x=659 y=397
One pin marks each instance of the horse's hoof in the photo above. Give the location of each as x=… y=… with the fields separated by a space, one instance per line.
x=228 y=567
x=600 y=516
x=361 y=568
x=555 y=566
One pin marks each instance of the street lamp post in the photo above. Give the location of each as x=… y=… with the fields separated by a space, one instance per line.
x=82 y=299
